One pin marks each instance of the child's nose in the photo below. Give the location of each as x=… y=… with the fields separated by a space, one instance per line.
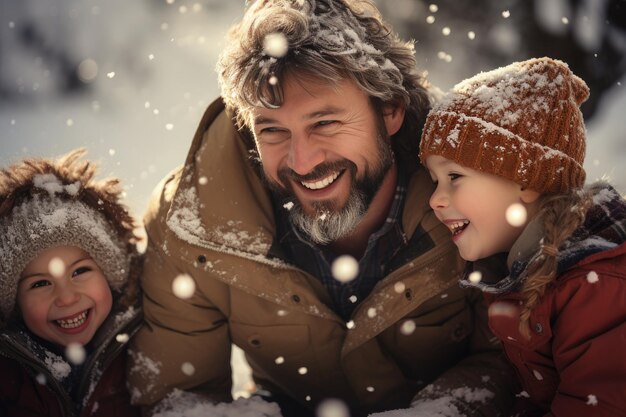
x=66 y=295
x=439 y=199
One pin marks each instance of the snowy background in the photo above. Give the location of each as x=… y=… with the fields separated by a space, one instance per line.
x=129 y=80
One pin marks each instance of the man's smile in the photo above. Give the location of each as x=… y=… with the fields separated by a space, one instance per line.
x=323 y=183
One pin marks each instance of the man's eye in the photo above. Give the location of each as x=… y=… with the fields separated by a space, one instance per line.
x=325 y=123
x=272 y=135
x=40 y=283
x=80 y=270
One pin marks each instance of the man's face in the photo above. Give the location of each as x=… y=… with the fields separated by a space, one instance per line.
x=326 y=151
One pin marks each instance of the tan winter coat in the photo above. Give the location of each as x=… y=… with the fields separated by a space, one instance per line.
x=213 y=220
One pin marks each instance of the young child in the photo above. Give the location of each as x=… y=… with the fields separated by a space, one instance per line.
x=510 y=143
x=68 y=279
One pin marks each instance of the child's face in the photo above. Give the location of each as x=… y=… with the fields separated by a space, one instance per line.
x=473 y=205
x=63 y=296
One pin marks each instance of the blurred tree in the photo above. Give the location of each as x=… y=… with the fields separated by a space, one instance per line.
x=590 y=35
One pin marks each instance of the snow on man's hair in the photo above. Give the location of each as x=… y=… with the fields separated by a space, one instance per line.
x=326 y=40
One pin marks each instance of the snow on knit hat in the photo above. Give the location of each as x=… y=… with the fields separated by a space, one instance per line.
x=47 y=203
x=521 y=122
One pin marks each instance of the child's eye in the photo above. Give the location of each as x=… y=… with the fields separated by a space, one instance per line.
x=40 y=283
x=453 y=176
x=80 y=270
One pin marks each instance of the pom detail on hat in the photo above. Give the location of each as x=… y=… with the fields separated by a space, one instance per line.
x=521 y=122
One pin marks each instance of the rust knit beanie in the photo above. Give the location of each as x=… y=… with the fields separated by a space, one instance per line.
x=521 y=122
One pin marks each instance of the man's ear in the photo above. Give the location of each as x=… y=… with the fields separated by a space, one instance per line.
x=529 y=196
x=393 y=115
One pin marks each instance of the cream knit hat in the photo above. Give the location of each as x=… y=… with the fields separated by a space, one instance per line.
x=521 y=122
x=60 y=205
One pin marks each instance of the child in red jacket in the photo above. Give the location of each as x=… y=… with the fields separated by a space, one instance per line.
x=68 y=279
x=506 y=150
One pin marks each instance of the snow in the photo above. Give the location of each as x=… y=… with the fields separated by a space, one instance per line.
x=57 y=366
x=443 y=406
x=592 y=400
x=184 y=404
x=592 y=277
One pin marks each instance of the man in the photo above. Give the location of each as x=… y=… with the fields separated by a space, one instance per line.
x=330 y=107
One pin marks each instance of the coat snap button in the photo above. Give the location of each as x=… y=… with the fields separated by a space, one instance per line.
x=202 y=259
x=458 y=333
x=295 y=298
x=538 y=328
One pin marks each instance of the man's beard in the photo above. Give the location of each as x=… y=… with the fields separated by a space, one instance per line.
x=329 y=221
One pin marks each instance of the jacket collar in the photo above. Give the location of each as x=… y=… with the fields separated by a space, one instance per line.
x=241 y=221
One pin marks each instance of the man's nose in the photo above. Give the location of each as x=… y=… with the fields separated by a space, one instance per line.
x=304 y=154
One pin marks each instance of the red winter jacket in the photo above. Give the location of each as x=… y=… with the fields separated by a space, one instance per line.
x=23 y=396
x=575 y=361
x=101 y=385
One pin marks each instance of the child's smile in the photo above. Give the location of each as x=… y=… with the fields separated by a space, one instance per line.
x=473 y=205
x=65 y=304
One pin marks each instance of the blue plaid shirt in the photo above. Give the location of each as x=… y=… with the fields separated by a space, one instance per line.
x=373 y=265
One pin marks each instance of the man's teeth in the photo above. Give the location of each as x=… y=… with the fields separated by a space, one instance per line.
x=75 y=322
x=456 y=227
x=321 y=183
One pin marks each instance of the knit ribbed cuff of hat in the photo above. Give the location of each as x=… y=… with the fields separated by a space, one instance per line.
x=45 y=222
x=483 y=146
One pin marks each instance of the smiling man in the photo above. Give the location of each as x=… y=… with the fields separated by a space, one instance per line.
x=311 y=154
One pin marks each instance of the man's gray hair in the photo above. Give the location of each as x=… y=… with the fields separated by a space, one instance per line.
x=325 y=40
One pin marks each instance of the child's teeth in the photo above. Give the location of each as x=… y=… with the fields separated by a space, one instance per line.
x=75 y=322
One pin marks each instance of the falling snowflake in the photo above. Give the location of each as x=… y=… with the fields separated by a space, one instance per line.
x=475 y=277
x=592 y=277
x=592 y=400
x=122 y=338
x=75 y=353
x=516 y=215
x=345 y=268
x=275 y=45
x=183 y=286
x=188 y=368
x=332 y=408
x=56 y=267
x=407 y=328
